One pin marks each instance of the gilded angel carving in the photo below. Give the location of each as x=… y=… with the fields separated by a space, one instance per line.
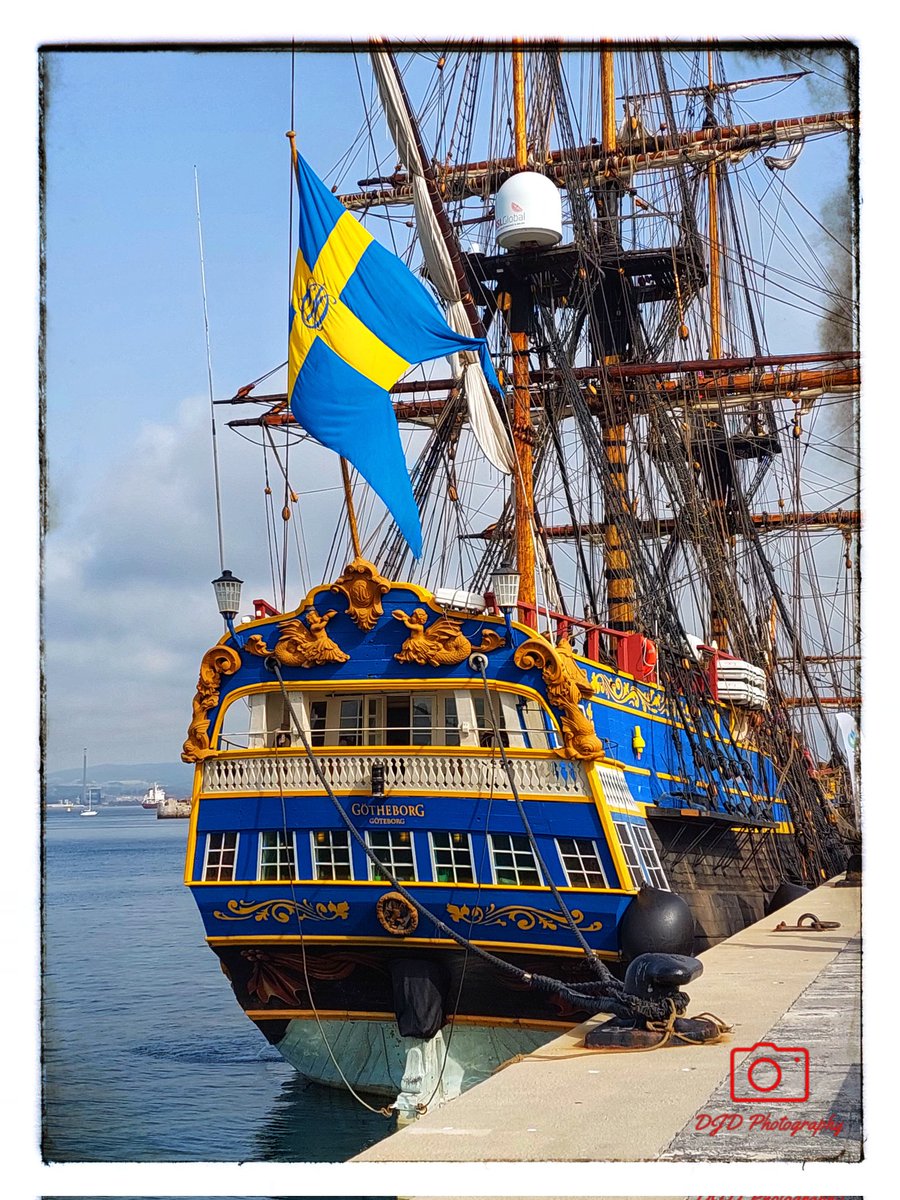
x=302 y=645
x=441 y=644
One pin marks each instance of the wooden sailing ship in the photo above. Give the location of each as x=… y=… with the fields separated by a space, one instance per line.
x=401 y=785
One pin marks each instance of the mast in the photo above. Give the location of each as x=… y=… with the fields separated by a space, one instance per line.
x=523 y=433
x=619 y=579
x=84 y=778
x=718 y=615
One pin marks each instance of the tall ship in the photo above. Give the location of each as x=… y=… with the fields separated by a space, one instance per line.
x=577 y=677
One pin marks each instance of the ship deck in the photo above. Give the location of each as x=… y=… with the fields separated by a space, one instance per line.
x=566 y=1104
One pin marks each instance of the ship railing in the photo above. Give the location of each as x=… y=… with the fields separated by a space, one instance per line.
x=420 y=774
x=627 y=648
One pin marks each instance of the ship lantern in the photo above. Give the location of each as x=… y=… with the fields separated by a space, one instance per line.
x=638 y=744
x=228 y=594
x=505 y=585
x=528 y=212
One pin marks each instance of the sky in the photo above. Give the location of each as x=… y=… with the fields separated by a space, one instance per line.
x=131 y=538
x=127 y=436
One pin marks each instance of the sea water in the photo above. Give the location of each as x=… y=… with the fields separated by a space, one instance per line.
x=146 y=1053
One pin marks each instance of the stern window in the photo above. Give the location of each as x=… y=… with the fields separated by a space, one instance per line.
x=640 y=854
x=513 y=860
x=452 y=855
x=276 y=855
x=221 y=855
x=331 y=854
x=394 y=849
x=581 y=863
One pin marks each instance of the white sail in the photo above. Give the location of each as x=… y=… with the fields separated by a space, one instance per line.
x=486 y=422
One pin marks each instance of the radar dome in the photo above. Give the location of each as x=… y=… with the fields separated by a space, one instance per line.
x=528 y=212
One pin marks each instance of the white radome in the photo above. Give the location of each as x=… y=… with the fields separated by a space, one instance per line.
x=528 y=211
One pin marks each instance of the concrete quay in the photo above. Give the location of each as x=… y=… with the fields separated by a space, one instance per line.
x=567 y=1104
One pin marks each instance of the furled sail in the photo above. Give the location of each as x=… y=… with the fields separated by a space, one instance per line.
x=486 y=422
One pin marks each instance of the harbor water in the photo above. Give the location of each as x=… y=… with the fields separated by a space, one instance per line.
x=146 y=1054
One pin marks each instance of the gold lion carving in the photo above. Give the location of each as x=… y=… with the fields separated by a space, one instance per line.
x=302 y=645
x=219 y=661
x=442 y=644
x=364 y=587
x=567 y=685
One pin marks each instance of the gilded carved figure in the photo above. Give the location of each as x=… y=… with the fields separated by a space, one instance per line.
x=364 y=587
x=441 y=644
x=567 y=685
x=219 y=661
x=302 y=645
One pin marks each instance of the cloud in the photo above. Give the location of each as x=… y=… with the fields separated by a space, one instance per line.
x=128 y=608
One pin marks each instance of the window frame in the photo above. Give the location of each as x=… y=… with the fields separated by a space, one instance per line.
x=645 y=870
x=221 y=833
x=582 y=868
x=514 y=852
x=313 y=833
x=414 y=878
x=287 y=841
x=449 y=834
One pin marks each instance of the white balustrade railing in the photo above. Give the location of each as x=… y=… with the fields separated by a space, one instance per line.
x=416 y=773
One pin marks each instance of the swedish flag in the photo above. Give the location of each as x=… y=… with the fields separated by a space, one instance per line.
x=359 y=320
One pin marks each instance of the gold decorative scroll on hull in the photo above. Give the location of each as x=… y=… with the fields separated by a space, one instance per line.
x=219 y=661
x=567 y=686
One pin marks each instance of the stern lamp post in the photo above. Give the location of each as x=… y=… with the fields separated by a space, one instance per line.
x=228 y=597
x=505 y=584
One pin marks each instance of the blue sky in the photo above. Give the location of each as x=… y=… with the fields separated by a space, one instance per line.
x=131 y=545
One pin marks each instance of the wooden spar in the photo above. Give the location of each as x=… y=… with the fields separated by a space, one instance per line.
x=607 y=101
x=839 y=518
x=692 y=148
x=620 y=589
x=523 y=434
x=345 y=470
x=351 y=512
x=719 y=390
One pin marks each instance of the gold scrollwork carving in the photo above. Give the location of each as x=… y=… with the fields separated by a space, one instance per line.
x=625 y=692
x=284 y=911
x=364 y=587
x=522 y=916
x=442 y=644
x=302 y=645
x=220 y=660
x=567 y=685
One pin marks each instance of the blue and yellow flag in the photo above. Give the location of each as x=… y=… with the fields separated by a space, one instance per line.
x=359 y=320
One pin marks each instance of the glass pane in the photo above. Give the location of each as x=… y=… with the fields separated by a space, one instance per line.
x=351 y=722
x=397 y=720
x=317 y=714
